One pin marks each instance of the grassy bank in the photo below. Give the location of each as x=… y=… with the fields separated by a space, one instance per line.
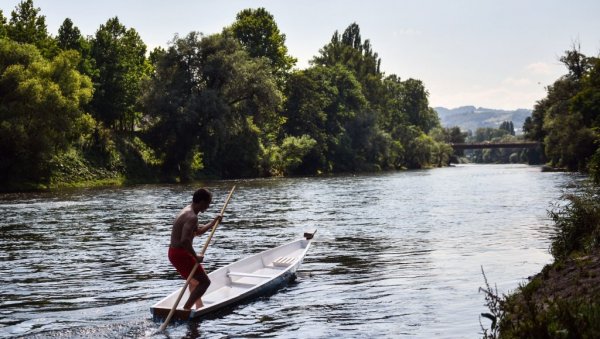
x=563 y=300
x=112 y=161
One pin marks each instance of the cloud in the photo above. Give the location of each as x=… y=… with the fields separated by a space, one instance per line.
x=541 y=68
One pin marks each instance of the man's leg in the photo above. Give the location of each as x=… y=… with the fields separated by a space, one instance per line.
x=202 y=282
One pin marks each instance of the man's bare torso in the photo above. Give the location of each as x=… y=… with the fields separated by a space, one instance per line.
x=188 y=218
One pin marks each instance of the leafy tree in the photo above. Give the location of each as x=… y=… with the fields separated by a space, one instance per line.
x=566 y=120
x=391 y=107
x=120 y=56
x=488 y=134
x=3 y=27
x=357 y=56
x=28 y=27
x=287 y=157
x=309 y=98
x=559 y=125
x=508 y=126
x=587 y=104
x=417 y=106
x=69 y=38
x=374 y=134
x=214 y=103
x=258 y=33
x=322 y=103
x=41 y=111
x=587 y=101
x=452 y=135
x=577 y=64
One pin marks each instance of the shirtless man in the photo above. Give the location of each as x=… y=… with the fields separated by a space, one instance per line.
x=181 y=250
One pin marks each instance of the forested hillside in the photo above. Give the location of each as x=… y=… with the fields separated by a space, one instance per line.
x=471 y=117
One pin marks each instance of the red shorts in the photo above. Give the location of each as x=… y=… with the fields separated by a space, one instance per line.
x=184 y=262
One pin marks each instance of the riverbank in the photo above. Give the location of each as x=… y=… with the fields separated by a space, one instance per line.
x=562 y=301
x=559 y=302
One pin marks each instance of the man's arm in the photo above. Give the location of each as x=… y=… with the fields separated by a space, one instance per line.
x=204 y=228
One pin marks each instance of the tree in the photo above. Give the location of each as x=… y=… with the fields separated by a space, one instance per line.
x=379 y=132
x=323 y=103
x=69 y=38
x=587 y=100
x=452 y=135
x=577 y=64
x=28 y=27
x=416 y=105
x=309 y=95
x=566 y=119
x=120 y=56
x=287 y=157
x=3 y=27
x=357 y=56
x=40 y=109
x=214 y=103
x=508 y=126
x=391 y=107
x=558 y=125
x=258 y=33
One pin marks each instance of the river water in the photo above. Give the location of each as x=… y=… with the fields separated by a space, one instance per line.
x=397 y=254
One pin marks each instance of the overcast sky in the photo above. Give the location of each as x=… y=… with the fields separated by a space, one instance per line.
x=487 y=53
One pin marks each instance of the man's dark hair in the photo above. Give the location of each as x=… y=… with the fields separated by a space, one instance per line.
x=202 y=194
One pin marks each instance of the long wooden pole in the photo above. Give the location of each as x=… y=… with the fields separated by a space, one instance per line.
x=187 y=281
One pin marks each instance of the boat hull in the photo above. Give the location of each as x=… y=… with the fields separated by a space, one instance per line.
x=254 y=276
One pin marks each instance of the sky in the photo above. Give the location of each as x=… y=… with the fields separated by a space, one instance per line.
x=486 y=53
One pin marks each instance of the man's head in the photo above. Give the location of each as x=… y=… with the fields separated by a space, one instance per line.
x=201 y=200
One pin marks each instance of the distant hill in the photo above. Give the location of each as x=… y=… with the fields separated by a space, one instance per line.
x=472 y=118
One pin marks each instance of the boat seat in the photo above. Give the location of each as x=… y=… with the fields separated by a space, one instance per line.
x=249 y=275
x=242 y=284
x=283 y=261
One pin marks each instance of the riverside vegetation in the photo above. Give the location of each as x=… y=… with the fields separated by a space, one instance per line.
x=100 y=109
x=562 y=300
x=76 y=110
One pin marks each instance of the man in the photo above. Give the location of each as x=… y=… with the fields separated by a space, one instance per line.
x=181 y=250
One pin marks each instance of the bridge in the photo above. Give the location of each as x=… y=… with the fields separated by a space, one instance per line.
x=483 y=145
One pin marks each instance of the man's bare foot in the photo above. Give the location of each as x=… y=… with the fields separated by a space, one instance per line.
x=199 y=304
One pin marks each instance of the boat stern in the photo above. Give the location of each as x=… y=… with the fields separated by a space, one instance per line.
x=162 y=313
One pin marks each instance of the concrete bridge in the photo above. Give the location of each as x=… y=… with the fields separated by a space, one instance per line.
x=482 y=145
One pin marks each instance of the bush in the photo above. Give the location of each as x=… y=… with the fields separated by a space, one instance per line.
x=577 y=224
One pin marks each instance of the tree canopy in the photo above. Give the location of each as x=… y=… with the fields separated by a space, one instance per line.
x=222 y=105
x=567 y=120
x=120 y=58
x=41 y=109
x=257 y=32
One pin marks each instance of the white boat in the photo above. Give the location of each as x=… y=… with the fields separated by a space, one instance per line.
x=256 y=275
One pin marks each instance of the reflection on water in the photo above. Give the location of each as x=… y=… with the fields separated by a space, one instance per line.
x=396 y=254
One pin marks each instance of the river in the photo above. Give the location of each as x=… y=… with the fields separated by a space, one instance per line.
x=397 y=254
